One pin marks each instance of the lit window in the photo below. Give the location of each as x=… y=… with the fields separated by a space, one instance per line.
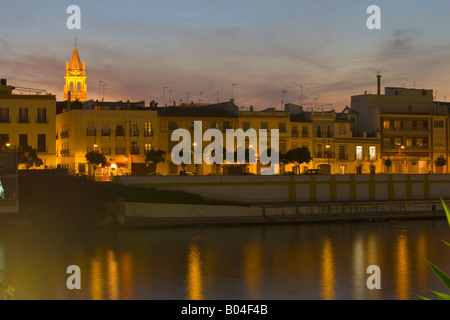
x=359 y=152
x=373 y=153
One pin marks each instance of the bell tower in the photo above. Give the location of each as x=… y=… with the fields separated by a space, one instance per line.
x=75 y=78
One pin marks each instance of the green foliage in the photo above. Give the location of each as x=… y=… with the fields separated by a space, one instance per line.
x=388 y=162
x=96 y=159
x=28 y=157
x=445 y=279
x=297 y=155
x=440 y=161
x=155 y=157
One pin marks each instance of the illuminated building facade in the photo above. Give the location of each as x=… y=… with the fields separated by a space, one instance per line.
x=75 y=87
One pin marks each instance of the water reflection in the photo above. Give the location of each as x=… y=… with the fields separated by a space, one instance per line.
x=328 y=270
x=194 y=272
x=277 y=262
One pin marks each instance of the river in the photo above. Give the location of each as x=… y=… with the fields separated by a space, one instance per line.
x=290 y=262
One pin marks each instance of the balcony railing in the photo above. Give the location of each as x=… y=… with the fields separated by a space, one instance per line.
x=120 y=132
x=42 y=119
x=294 y=134
x=325 y=155
x=64 y=134
x=305 y=135
x=134 y=150
x=148 y=133
x=405 y=128
x=64 y=153
x=5 y=119
x=134 y=133
x=343 y=156
x=120 y=151
x=23 y=119
x=106 y=132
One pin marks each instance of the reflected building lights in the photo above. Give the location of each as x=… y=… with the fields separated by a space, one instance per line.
x=194 y=273
x=402 y=270
x=253 y=269
x=113 y=276
x=359 y=267
x=328 y=270
x=96 y=280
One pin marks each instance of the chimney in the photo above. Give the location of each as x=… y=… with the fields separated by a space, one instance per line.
x=379 y=84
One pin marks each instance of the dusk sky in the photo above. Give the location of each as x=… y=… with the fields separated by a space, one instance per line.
x=200 y=47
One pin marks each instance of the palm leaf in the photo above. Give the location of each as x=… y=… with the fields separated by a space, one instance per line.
x=441 y=296
x=447 y=210
x=441 y=274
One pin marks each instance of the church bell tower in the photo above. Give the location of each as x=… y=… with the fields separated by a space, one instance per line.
x=75 y=79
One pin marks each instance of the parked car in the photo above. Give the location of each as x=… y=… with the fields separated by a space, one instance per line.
x=313 y=171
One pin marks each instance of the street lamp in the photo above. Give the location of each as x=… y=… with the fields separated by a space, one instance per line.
x=400 y=147
x=328 y=156
x=95 y=146
x=8 y=144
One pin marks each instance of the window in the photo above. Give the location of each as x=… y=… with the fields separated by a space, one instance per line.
x=329 y=132
x=419 y=143
x=387 y=143
x=305 y=133
x=120 y=132
x=409 y=142
x=439 y=124
x=191 y=125
x=23 y=140
x=148 y=132
x=173 y=126
x=397 y=124
x=342 y=153
x=319 y=131
x=147 y=147
x=342 y=169
x=91 y=132
x=342 y=128
x=134 y=148
x=23 y=115
x=4 y=139
x=373 y=153
x=398 y=142
x=282 y=127
x=386 y=124
x=4 y=115
x=359 y=152
x=294 y=132
x=41 y=143
x=42 y=115
x=215 y=125
x=226 y=125
x=134 y=132
x=409 y=108
x=264 y=125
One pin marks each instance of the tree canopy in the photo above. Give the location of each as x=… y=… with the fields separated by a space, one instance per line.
x=96 y=159
x=155 y=157
x=28 y=157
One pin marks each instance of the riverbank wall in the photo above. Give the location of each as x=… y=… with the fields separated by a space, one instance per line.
x=133 y=214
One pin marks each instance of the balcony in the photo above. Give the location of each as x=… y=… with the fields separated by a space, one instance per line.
x=305 y=135
x=294 y=134
x=64 y=153
x=23 y=119
x=134 y=150
x=42 y=119
x=134 y=133
x=64 y=134
x=120 y=132
x=325 y=155
x=148 y=133
x=106 y=132
x=342 y=156
x=406 y=128
x=5 y=119
x=91 y=132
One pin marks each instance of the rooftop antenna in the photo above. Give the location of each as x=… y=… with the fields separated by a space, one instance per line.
x=164 y=96
x=170 y=98
x=201 y=97
x=217 y=96
x=99 y=86
x=103 y=87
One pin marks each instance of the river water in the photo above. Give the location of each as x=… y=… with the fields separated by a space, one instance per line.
x=311 y=261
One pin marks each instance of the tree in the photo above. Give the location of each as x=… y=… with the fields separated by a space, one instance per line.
x=297 y=156
x=388 y=163
x=440 y=162
x=153 y=104
x=96 y=159
x=155 y=157
x=28 y=157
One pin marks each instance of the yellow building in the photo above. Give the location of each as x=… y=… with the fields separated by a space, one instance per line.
x=123 y=136
x=28 y=118
x=75 y=87
x=220 y=116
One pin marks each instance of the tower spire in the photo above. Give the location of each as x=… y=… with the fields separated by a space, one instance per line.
x=75 y=78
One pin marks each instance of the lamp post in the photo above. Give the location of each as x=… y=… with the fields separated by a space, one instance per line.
x=328 y=156
x=95 y=146
x=400 y=169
